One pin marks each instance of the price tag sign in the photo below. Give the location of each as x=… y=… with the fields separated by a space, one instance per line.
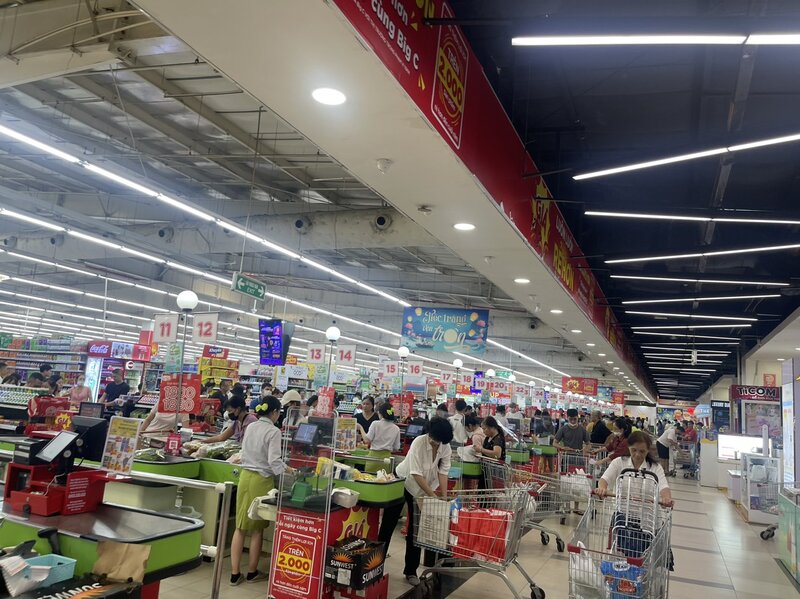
x=346 y=355
x=391 y=370
x=166 y=328
x=415 y=368
x=448 y=376
x=316 y=353
x=204 y=328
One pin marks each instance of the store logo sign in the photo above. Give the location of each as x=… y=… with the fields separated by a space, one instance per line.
x=101 y=349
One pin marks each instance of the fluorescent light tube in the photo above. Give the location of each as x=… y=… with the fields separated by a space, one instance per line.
x=769 y=248
x=30 y=219
x=709 y=281
x=627 y=40
x=706 y=219
x=701 y=299
x=694 y=326
x=651 y=163
x=773 y=39
x=677 y=315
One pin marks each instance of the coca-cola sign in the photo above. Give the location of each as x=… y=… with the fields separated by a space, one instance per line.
x=99 y=349
x=755 y=393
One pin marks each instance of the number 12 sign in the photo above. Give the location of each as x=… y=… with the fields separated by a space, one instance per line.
x=166 y=328
x=204 y=329
x=346 y=355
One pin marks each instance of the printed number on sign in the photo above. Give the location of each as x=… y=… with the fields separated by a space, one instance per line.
x=294 y=563
x=315 y=353
x=205 y=329
x=391 y=368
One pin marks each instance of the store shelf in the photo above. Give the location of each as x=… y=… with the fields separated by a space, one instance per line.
x=40 y=351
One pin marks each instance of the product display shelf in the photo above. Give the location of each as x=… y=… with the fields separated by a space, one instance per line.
x=301 y=385
x=759 y=488
x=218 y=369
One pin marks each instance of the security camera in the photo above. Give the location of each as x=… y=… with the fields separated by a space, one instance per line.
x=301 y=320
x=382 y=222
x=533 y=324
x=302 y=225
x=10 y=242
x=384 y=164
x=580 y=358
x=57 y=240
x=166 y=233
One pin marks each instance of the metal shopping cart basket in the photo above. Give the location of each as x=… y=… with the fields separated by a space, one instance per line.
x=686 y=456
x=549 y=496
x=768 y=501
x=474 y=531
x=621 y=548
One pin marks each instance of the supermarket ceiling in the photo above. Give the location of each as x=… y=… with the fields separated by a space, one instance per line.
x=116 y=90
x=582 y=109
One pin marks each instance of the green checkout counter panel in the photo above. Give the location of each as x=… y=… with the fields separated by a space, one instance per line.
x=174 y=540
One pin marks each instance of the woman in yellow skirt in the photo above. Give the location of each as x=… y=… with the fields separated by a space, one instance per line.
x=383 y=438
x=261 y=463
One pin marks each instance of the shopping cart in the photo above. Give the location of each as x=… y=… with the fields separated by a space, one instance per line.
x=686 y=456
x=474 y=532
x=597 y=453
x=790 y=491
x=621 y=547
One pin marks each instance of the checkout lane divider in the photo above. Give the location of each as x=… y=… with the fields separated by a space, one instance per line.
x=224 y=489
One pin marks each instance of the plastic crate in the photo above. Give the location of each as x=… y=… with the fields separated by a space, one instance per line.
x=61 y=568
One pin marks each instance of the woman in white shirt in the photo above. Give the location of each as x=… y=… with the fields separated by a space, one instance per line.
x=261 y=463
x=667 y=441
x=639 y=444
x=383 y=438
x=426 y=470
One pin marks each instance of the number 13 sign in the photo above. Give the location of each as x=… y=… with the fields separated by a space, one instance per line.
x=316 y=353
x=204 y=327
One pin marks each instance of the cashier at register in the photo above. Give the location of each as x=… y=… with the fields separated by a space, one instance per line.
x=162 y=422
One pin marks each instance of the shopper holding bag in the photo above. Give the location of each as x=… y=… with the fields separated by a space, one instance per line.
x=425 y=469
x=261 y=463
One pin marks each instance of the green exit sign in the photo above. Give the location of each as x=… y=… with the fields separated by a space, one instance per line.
x=247 y=286
x=503 y=374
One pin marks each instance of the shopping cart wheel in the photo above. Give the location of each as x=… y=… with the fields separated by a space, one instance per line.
x=767 y=534
x=545 y=538
x=560 y=545
x=537 y=592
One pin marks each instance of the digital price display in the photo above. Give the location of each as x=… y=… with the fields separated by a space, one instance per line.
x=270 y=342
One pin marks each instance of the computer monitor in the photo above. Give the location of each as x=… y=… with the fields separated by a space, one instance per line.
x=513 y=426
x=91 y=409
x=306 y=434
x=325 y=426
x=414 y=430
x=93 y=432
x=57 y=446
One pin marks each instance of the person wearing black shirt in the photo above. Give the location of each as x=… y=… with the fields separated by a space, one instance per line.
x=600 y=432
x=367 y=415
x=114 y=390
x=494 y=445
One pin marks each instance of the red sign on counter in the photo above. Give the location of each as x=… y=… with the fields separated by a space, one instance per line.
x=190 y=394
x=403 y=405
x=298 y=556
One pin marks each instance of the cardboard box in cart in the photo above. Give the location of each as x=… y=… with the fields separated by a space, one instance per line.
x=355 y=563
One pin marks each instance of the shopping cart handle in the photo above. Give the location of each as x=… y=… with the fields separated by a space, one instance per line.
x=642 y=473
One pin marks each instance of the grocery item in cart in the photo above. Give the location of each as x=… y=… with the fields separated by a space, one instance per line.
x=622 y=580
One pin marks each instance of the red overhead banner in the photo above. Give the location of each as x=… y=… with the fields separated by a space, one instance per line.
x=579 y=385
x=618 y=397
x=438 y=70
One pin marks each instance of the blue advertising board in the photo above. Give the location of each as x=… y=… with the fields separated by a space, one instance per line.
x=445 y=329
x=604 y=393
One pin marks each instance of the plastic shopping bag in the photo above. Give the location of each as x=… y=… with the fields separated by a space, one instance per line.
x=587 y=580
x=433 y=529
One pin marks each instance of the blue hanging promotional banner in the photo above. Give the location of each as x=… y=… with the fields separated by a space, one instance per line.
x=604 y=393
x=445 y=329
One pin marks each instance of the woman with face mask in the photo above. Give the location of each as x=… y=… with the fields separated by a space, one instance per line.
x=239 y=418
x=79 y=392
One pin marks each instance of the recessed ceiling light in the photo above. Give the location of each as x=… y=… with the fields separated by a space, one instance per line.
x=602 y=355
x=590 y=345
x=464 y=227
x=610 y=362
x=781 y=359
x=576 y=331
x=329 y=96
x=522 y=280
x=556 y=311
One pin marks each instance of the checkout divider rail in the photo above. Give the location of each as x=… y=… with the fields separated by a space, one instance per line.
x=224 y=489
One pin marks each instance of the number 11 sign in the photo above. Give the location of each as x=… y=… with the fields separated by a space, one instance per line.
x=166 y=328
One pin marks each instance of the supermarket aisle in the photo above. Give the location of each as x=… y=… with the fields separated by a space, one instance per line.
x=717 y=555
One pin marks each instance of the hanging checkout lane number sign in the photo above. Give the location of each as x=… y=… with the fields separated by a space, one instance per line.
x=415 y=368
x=390 y=370
x=346 y=355
x=316 y=353
x=204 y=327
x=166 y=328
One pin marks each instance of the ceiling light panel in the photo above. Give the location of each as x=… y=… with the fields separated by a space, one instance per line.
x=703 y=281
x=679 y=315
x=711 y=298
x=628 y=40
x=689 y=218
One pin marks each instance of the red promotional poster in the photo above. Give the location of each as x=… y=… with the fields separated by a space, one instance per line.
x=99 y=349
x=297 y=557
x=451 y=405
x=190 y=394
x=141 y=353
x=325 y=404
x=438 y=70
x=403 y=405
x=488 y=409
x=578 y=385
x=618 y=397
x=212 y=351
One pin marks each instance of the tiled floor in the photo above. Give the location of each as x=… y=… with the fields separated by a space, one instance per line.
x=717 y=556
